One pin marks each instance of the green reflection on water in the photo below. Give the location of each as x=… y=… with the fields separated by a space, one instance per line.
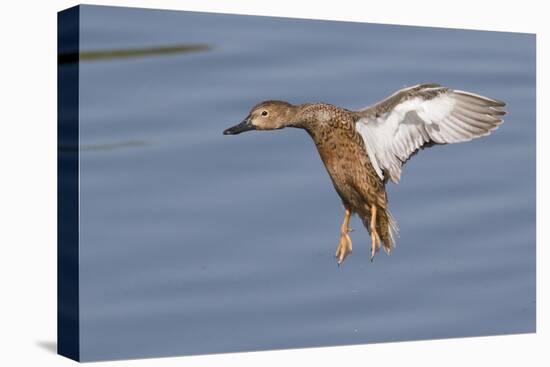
x=73 y=57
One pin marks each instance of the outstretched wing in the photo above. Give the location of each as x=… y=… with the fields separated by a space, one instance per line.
x=421 y=116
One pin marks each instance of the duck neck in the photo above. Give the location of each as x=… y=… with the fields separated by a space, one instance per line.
x=305 y=116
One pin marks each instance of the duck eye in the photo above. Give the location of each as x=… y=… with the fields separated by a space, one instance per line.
x=264 y=113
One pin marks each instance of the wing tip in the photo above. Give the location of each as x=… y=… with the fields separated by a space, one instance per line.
x=491 y=102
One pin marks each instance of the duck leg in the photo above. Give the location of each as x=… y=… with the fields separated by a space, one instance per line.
x=373 y=233
x=344 y=246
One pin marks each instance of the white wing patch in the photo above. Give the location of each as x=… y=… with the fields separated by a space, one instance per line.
x=449 y=117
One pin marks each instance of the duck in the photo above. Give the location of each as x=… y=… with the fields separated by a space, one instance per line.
x=362 y=150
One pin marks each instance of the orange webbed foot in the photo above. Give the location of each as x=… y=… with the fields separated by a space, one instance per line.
x=344 y=246
x=375 y=247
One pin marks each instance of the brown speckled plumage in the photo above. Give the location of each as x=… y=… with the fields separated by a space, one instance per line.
x=343 y=153
x=362 y=150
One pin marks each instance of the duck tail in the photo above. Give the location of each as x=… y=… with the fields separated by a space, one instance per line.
x=389 y=230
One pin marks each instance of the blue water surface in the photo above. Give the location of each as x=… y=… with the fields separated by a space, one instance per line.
x=193 y=242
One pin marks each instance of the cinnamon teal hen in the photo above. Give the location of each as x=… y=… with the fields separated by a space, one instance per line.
x=362 y=150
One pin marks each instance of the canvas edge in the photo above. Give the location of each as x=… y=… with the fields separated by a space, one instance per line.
x=68 y=315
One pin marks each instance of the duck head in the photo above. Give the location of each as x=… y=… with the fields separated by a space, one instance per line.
x=267 y=115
